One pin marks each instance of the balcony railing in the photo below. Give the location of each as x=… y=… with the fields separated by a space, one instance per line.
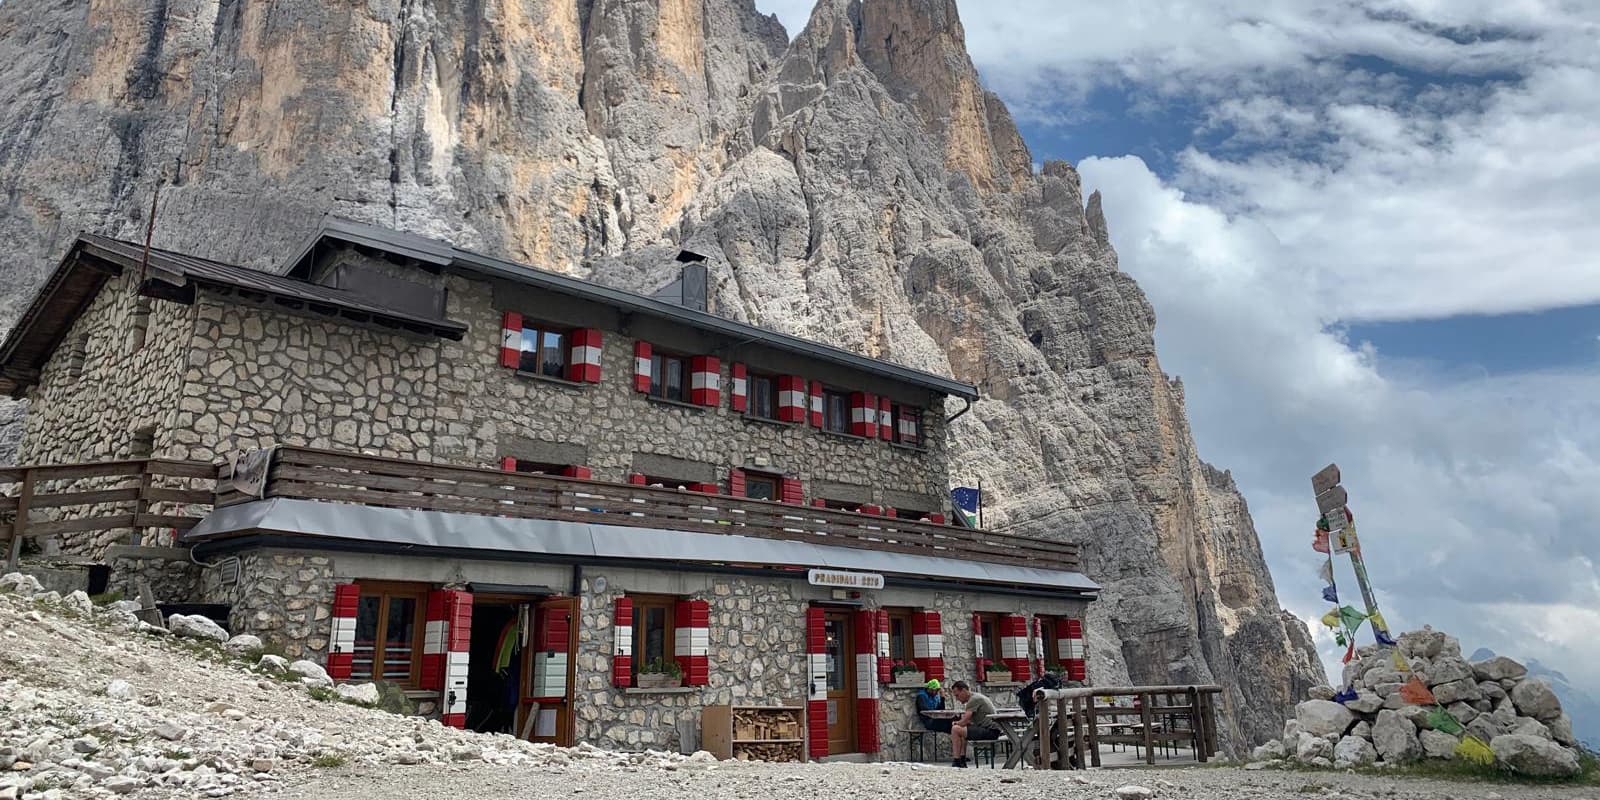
x=156 y=494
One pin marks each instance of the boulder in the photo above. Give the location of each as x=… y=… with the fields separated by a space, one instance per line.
x=1323 y=718
x=196 y=626
x=1463 y=713
x=19 y=583
x=242 y=645
x=311 y=673
x=365 y=694
x=1291 y=732
x=1362 y=729
x=1447 y=669
x=1321 y=691
x=1531 y=755
x=1386 y=689
x=1497 y=669
x=1486 y=728
x=1353 y=751
x=1396 y=738
x=273 y=663
x=1457 y=691
x=1366 y=702
x=1528 y=726
x=79 y=603
x=119 y=689
x=1394 y=702
x=1426 y=643
x=1491 y=690
x=1438 y=745
x=1271 y=751
x=1534 y=698
x=1310 y=747
x=1384 y=674
x=1416 y=715
x=1135 y=792
x=1320 y=763
x=1561 y=730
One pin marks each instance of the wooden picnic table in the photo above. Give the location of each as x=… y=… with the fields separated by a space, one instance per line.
x=1017 y=727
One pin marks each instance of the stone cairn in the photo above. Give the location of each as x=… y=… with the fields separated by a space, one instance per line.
x=1422 y=700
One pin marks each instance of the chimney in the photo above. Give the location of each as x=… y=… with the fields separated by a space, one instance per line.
x=689 y=290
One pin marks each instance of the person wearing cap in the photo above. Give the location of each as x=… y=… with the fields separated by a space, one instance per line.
x=931 y=698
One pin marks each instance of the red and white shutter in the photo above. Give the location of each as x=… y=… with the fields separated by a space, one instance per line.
x=885 y=662
x=885 y=420
x=705 y=380
x=641 y=366
x=510 y=339
x=817 y=675
x=342 y=642
x=457 y=644
x=908 y=427
x=1037 y=646
x=815 y=402
x=736 y=485
x=790 y=491
x=740 y=390
x=864 y=415
x=622 y=643
x=1074 y=654
x=692 y=630
x=1014 y=645
x=553 y=626
x=434 y=632
x=980 y=670
x=584 y=364
x=927 y=643
x=791 y=398
x=866 y=664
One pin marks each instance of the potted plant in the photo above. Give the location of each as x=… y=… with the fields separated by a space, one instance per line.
x=995 y=673
x=660 y=673
x=907 y=673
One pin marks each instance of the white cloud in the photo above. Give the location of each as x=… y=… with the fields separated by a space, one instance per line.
x=1474 y=498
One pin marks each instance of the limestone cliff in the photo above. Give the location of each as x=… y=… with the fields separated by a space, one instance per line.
x=856 y=185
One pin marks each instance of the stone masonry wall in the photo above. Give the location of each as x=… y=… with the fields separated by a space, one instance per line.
x=284 y=597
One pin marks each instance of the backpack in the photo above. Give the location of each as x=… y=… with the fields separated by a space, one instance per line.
x=1025 y=694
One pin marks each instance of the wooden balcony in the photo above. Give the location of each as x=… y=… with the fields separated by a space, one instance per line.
x=137 y=487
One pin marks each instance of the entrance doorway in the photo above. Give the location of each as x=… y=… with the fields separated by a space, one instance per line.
x=839 y=649
x=495 y=667
x=546 y=714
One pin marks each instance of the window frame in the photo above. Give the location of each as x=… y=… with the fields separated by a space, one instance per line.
x=658 y=378
x=989 y=626
x=386 y=592
x=906 y=640
x=753 y=408
x=895 y=409
x=1049 y=643
x=831 y=422
x=540 y=331
x=776 y=481
x=641 y=603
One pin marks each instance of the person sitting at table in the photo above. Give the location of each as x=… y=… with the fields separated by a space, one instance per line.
x=931 y=698
x=973 y=725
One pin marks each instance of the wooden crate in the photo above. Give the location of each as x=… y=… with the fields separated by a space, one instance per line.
x=754 y=733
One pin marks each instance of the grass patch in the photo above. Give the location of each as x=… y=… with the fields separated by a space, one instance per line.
x=105 y=598
x=323 y=693
x=329 y=760
x=177 y=755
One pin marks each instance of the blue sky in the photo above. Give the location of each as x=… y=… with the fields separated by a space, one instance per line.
x=1368 y=228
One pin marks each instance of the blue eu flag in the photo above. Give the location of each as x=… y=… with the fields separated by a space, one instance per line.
x=965 y=499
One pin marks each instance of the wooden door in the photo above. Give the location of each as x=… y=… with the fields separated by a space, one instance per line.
x=547 y=705
x=839 y=649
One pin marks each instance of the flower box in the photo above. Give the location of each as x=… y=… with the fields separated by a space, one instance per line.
x=659 y=680
x=912 y=678
x=997 y=676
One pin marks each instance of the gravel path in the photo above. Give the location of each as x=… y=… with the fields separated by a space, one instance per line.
x=91 y=708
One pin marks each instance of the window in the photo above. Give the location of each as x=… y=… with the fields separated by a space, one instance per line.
x=544 y=351
x=907 y=422
x=1051 y=653
x=761 y=487
x=540 y=468
x=668 y=377
x=841 y=505
x=836 y=411
x=900 y=648
x=989 y=626
x=653 y=635
x=387 y=621
x=763 y=397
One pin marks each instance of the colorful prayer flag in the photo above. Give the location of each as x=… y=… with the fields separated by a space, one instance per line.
x=1331 y=619
x=1350 y=652
x=1330 y=594
x=1400 y=664
x=1473 y=749
x=1345 y=695
x=1325 y=572
x=1442 y=720
x=1416 y=693
x=1320 y=543
x=1351 y=618
x=1383 y=637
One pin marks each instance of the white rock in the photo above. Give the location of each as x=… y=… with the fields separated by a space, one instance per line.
x=1528 y=726
x=242 y=644
x=1291 y=732
x=1271 y=751
x=1463 y=713
x=1464 y=690
x=1353 y=751
x=1447 y=669
x=1561 y=730
x=1396 y=738
x=171 y=731
x=273 y=663
x=1321 y=691
x=121 y=784
x=311 y=673
x=1311 y=747
x=196 y=626
x=1534 y=698
x=52 y=598
x=1531 y=755
x=79 y=603
x=1323 y=718
x=1135 y=792
x=1362 y=729
x=1498 y=668
x=365 y=694
x=19 y=583
x=1436 y=744
x=153 y=630
x=119 y=689
x=1366 y=702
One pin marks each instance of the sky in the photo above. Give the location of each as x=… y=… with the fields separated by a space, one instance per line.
x=1369 y=232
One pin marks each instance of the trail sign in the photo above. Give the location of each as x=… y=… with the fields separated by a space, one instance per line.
x=1326 y=479
x=1332 y=503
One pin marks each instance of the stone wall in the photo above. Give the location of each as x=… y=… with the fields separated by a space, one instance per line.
x=173 y=577
x=284 y=597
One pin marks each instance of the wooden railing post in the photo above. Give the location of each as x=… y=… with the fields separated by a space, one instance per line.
x=19 y=526
x=1044 y=736
x=1147 y=722
x=141 y=506
x=1064 y=730
x=1094 y=733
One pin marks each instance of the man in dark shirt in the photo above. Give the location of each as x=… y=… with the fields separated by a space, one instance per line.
x=974 y=725
x=930 y=698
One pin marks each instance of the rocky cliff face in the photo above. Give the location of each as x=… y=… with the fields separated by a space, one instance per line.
x=857 y=185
